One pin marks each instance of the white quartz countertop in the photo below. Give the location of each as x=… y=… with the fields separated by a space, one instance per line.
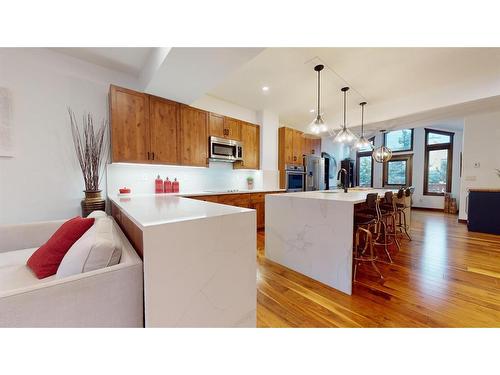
x=157 y=209
x=354 y=195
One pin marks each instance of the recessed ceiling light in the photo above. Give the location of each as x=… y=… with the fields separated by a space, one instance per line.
x=265 y=88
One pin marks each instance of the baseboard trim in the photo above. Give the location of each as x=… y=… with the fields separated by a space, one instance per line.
x=428 y=209
x=462 y=221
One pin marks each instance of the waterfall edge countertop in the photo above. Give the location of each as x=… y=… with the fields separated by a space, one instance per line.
x=354 y=195
x=158 y=209
x=312 y=233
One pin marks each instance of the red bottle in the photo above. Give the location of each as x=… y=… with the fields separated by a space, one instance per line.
x=158 y=185
x=168 y=186
x=175 y=186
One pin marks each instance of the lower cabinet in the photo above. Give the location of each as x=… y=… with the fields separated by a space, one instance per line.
x=255 y=201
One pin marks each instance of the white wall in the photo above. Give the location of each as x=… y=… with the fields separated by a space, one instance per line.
x=419 y=199
x=481 y=155
x=213 y=104
x=43 y=180
x=269 y=148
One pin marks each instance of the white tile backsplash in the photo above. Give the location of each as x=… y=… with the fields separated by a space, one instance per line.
x=219 y=176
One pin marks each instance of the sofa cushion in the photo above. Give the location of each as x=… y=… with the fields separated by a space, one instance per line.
x=45 y=261
x=14 y=273
x=99 y=247
x=97 y=214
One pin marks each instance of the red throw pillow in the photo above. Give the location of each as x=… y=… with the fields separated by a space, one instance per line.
x=45 y=261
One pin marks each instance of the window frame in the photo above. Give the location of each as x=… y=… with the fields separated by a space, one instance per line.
x=437 y=147
x=409 y=170
x=360 y=154
x=405 y=150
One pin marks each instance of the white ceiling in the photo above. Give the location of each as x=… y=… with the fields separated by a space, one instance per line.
x=394 y=81
x=125 y=60
x=401 y=85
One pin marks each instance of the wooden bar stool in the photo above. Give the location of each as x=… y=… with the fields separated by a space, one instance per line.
x=364 y=220
x=401 y=211
x=386 y=232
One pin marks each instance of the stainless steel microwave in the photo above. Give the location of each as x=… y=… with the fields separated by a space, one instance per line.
x=222 y=149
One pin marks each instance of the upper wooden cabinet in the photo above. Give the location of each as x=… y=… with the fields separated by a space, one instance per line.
x=291 y=146
x=224 y=127
x=193 y=136
x=129 y=114
x=149 y=129
x=216 y=125
x=233 y=128
x=316 y=147
x=311 y=146
x=250 y=136
x=285 y=150
x=164 y=130
x=297 y=145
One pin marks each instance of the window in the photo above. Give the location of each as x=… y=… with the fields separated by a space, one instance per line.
x=438 y=162
x=399 y=140
x=364 y=166
x=397 y=171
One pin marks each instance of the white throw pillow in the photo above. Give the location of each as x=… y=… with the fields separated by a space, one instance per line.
x=97 y=214
x=99 y=247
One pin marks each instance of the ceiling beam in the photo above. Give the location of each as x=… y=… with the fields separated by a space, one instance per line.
x=186 y=74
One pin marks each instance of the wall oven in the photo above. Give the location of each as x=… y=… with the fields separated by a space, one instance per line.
x=294 y=177
x=222 y=149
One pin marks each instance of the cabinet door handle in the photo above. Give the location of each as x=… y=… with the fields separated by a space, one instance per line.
x=153 y=156
x=148 y=155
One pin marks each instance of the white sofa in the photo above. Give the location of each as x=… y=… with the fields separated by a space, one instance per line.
x=108 y=297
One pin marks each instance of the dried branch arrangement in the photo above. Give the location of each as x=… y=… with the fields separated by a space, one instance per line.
x=91 y=146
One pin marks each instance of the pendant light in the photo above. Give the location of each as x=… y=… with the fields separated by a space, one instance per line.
x=345 y=135
x=318 y=124
x=362 y=142
x=382 y=154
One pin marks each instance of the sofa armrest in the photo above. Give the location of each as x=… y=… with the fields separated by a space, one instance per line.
x=111 y=297
x=24 y=236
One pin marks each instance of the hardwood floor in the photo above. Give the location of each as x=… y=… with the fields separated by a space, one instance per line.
x=445 y=277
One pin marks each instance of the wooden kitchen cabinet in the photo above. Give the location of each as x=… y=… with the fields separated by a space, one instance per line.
x=285 y=150
x=193 y=136
x=307 y=146
x=224 y=127
x=232 y=128
x=130 y=136
x=250 y=136
x=216 y=125
x=297 y=146
x=311 y=146
x=254 y=201
x=150 y=129
x=316 y=147
x=164 y=129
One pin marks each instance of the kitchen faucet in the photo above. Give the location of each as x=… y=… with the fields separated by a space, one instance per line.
x=346 y=178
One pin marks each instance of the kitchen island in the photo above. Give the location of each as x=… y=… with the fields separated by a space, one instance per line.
x=199 y=259
x=312 y=233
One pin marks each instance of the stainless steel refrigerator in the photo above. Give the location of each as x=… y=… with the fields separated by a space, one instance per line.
x=315 y=173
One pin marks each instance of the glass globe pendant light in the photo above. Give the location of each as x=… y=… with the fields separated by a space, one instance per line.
x=362 y=142
x=345 y=135
x=382 y=154
x=318 y=125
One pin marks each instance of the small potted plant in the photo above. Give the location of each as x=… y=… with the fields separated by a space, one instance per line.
x=250 y=183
